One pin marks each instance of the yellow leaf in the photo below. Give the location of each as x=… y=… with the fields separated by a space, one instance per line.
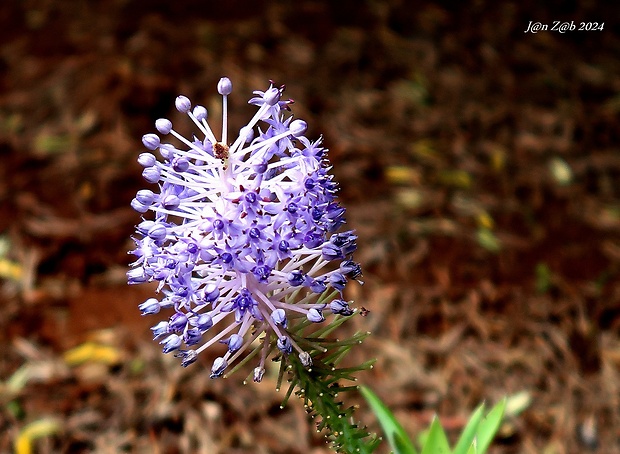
x=498 y=159
x=485 y=220
x=92 y=352
x=401 y=175
x=424 y=150
x=456 y=178
x=33 y=431
x=10 y=270
x=561 y=171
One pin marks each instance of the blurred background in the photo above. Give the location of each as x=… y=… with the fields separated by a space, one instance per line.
x=479 y=166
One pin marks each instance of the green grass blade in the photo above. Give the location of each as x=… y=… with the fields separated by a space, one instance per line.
x=489 y=426
x=397 y=437
x=473 y=448
x=469 y=432
x=436 y=441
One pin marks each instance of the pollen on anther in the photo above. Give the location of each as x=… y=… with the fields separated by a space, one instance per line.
x=220 y=151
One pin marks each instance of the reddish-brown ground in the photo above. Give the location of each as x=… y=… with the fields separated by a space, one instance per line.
x=480 y=166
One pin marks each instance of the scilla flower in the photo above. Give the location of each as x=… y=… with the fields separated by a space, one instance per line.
x=242 y=238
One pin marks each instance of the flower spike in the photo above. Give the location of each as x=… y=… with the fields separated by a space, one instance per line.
x=241 y=237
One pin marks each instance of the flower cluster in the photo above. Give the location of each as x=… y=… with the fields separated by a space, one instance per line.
x=243 y=236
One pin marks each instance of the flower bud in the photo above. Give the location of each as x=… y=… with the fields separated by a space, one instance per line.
x=150 y=141
x=317 y=285
x=144 y=227
x=351 y=269
x=261 y=167
x=211 y=293
x=180 y=164
x=259 y=372
x=247 y=134
x=145 y=197
x=171 y=202
x=192 y=336
x=183 y=104
x=296 y=278
x=279 y=317
x=139 y=207
x=298 y=127
x=224 y=86
x=177 y=322
x=147 y=159
x=189 y=357
x=306 y=359
x=284 y=345
x=158 y=232
x=136 y=276
x=171 y=343
x=163 y=125
x=151 y=174
x=234 y=342
x=150 y=306
x=314 y=315
x=166 y=151
x=338 y=281
x=203 y=322
x=200 y=112
x=159 y=329
x=340 y=307
x=219 y=365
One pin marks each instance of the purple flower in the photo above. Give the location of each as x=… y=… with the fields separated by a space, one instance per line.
x=242 y=235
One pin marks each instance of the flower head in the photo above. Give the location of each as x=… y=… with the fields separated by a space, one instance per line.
x=242 y=236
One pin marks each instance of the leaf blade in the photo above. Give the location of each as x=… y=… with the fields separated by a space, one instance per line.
x=396 y=435
x=468 y=435
x=487 y=428
x=436 y=441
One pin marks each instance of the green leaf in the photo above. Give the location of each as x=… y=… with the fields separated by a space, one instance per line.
x=46 y=144
x=473 y=449
x=487 y=239
x=488 y=426
x=463 y=446
x=401 y=445
x=543 y=277
x=397 y=437
x=436 y=441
